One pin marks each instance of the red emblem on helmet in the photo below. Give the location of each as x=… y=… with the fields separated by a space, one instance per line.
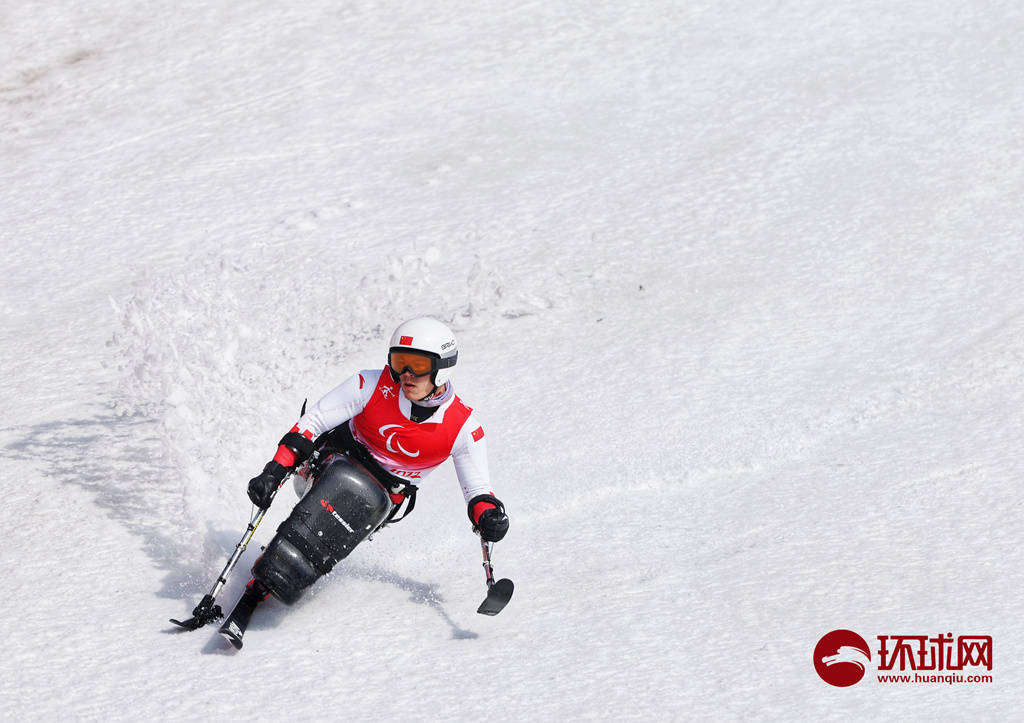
x=405 y=341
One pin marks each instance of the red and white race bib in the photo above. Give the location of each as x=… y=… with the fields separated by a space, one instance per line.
x=398 y=442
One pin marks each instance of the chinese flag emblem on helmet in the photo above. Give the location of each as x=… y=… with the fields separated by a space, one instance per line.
x=405 y=341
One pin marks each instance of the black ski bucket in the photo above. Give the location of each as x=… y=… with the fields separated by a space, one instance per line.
x=345 y=504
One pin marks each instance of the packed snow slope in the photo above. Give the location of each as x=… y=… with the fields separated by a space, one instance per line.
x=738 y=290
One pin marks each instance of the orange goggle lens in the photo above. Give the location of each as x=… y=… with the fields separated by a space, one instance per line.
x=416 y=363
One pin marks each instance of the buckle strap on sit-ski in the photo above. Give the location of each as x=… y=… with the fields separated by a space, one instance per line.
x=409 y=492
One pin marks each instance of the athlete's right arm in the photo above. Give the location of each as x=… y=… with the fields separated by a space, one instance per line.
x=336 y=407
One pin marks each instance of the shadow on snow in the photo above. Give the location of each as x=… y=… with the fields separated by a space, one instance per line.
x=121 y=461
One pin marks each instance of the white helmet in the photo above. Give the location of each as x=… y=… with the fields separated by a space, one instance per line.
x=423 y=337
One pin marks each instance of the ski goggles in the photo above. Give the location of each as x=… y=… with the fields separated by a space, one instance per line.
x=417 y=364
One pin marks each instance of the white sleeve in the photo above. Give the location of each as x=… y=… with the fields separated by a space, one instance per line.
x=340 y=404
x=470 y=456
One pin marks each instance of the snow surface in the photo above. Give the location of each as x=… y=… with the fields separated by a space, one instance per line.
x=738 y=288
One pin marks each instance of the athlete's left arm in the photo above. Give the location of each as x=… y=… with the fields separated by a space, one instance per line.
x=470 y=456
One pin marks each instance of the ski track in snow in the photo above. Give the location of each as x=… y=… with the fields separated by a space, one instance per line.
x=737 y=291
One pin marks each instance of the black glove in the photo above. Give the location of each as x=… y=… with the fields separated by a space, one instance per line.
x=493 y=524
x=263 y=486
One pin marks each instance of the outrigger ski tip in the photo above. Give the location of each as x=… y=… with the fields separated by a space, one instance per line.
x=498 y=592
x=497 y=598
x=205 y=612
x=192 y=623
